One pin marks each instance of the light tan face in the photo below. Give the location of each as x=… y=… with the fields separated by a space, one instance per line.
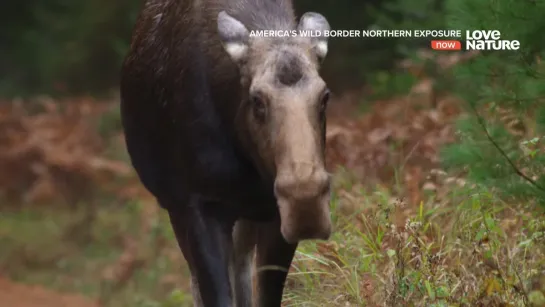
x=283 y=115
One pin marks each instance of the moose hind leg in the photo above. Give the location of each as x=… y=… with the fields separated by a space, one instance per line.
x=205 y=240
x=197 y=299
x=273 y=260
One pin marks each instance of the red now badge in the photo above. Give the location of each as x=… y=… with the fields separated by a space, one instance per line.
x=446 y=45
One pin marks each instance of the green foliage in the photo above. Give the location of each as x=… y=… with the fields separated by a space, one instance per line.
x=502 y=142
x=377 y=67
x=386 y=84
x=410 y=15
x=64 y=45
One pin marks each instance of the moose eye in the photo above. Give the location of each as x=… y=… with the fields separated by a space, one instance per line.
x=258 y=106
x=324 y=100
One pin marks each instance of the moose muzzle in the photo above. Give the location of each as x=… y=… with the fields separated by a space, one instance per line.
x=303 y=195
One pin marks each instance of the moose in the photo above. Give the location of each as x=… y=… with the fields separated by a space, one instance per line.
x=227 y=130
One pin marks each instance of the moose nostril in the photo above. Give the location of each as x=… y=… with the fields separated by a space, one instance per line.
x=282 y=189
x=326 y=185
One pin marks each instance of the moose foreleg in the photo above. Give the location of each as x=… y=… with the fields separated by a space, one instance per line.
x=204 y=236
x=244 y=237
x=273 y=260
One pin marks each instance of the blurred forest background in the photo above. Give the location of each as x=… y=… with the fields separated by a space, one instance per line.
x=438 y=160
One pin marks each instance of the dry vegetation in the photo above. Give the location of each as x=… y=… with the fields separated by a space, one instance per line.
x=75 y=219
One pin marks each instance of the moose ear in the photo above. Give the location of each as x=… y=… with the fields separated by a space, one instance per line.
x=317 y=23
x=234 y=36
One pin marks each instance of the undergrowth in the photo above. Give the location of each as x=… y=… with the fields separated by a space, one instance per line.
x=469 y=249
x=466 y=249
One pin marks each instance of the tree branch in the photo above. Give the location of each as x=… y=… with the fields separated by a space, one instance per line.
x=502 y=152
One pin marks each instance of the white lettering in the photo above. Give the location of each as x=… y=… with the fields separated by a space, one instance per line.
x=489 y=40
x=492 y=45
x=437 y=33
x=272 y=33
x=342 y=33
x=481 y=34
x=386 y=33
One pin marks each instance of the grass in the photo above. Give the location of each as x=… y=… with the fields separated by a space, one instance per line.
x=465 y=248
x=470 y=250
x=119 y=258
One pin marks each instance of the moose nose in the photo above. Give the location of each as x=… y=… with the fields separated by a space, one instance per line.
x=303 y=189
x=303 y=203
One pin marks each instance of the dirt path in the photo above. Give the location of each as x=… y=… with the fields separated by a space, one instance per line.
x=18 y=295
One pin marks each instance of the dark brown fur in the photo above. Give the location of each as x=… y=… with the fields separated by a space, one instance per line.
x=289 y=70
x=198 y=143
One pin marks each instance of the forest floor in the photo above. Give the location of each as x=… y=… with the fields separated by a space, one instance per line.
x=21 y=295
x=76 y=220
